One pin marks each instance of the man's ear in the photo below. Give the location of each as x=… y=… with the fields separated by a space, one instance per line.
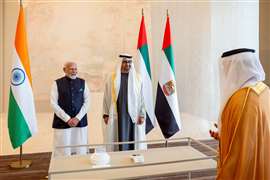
x=64 y=69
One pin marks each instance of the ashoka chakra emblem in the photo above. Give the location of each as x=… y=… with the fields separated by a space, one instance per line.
x=17 y=76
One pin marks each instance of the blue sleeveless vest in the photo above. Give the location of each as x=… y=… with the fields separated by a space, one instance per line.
x=70 y=99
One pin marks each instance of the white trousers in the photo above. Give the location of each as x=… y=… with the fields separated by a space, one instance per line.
x=70 y=136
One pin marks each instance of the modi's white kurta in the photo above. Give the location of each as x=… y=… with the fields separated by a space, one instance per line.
x=135 y=107
x=73 y=135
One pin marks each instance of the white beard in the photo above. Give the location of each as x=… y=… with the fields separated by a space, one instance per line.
x=72 y=76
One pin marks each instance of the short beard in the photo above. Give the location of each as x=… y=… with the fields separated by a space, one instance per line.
x=72 y=76
x=125 y=71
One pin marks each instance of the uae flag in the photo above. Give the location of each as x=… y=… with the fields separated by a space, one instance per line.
x=21 y=112
x=145 y=71
x=166 y=109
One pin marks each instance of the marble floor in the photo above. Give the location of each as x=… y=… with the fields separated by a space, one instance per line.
x=193 y=126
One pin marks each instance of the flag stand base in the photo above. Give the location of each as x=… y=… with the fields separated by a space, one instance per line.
x=20 y=164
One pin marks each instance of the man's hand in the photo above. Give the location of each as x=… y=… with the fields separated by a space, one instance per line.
x=214 y=134
x=70 y=122
x=73 y=122
x=106 y=119
x=140 y=120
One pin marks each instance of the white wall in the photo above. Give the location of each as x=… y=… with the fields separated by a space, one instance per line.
x=233 y=25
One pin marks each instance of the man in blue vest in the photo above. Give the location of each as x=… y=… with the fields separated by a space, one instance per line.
x=70 y=103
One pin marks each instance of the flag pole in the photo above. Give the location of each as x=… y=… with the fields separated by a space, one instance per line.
x=21 y=164
x=20 y=154
x=167 y=12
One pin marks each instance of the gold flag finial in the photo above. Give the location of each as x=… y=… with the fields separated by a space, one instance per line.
x=21 y=3
x=142 y=12
x=167 y=12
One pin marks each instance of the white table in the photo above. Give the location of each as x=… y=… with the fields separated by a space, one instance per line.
x=157 y=161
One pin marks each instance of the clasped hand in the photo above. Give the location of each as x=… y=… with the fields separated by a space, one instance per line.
x=73 y=122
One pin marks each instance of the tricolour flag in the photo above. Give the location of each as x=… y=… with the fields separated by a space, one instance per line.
x=166 y=109
x=145 y=71
x=21 y=111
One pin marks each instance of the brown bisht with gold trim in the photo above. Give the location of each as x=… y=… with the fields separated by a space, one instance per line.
x=244 y=136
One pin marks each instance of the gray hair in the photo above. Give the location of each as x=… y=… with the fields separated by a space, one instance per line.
x=67 y=64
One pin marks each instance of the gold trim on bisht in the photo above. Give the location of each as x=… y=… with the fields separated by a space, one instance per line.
x=259 y=87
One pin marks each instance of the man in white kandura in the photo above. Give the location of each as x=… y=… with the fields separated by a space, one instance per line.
x=123 y=107
x=70 y=103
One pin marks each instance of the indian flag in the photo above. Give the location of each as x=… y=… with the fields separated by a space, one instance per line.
x=166 y=109
x=145 y=71
x=21 y=112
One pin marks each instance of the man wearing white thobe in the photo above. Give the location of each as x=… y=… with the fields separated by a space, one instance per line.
x=70 y=103
x=123 y=107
